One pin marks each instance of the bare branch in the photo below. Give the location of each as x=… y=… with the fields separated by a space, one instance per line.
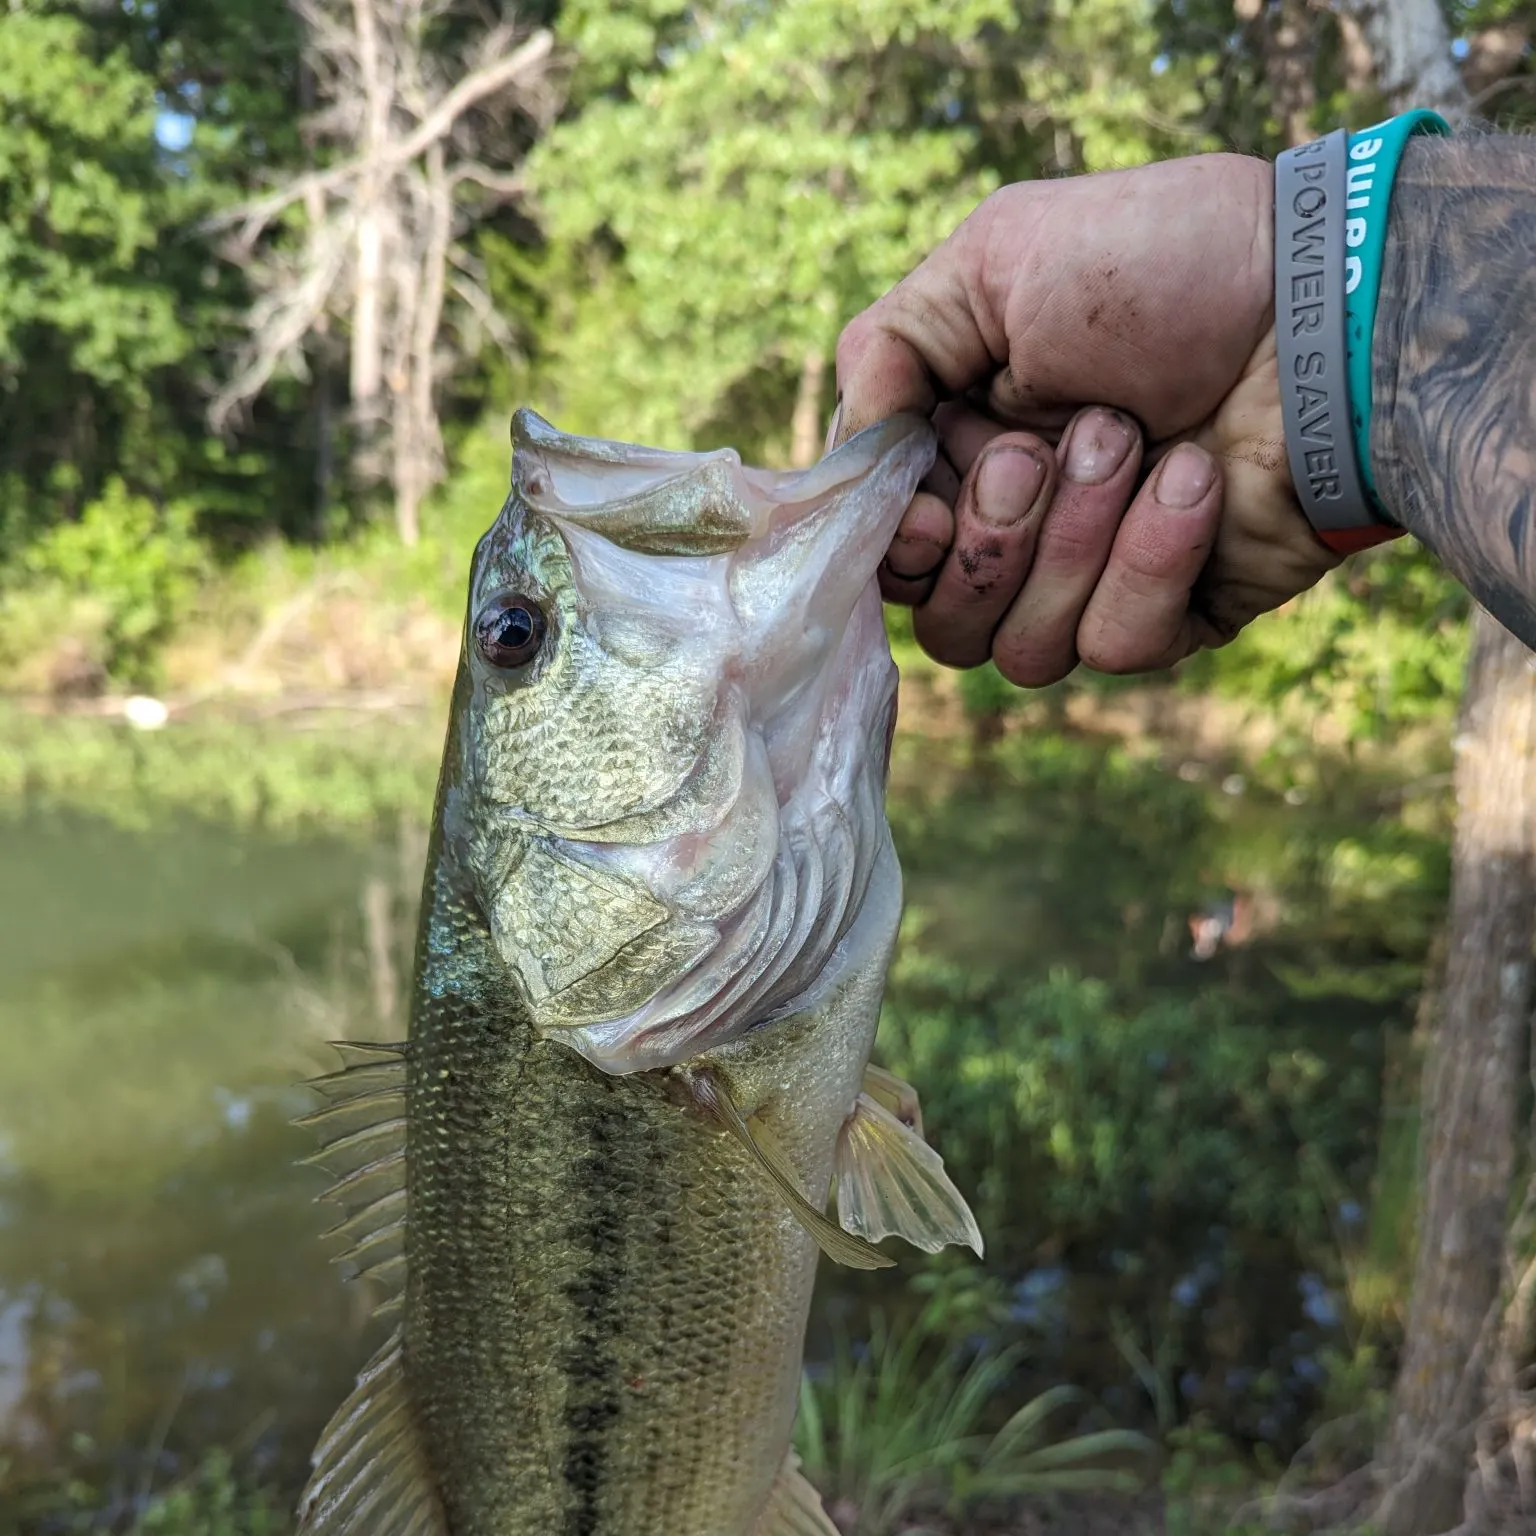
x=254 y=216
x=502 y=183
x=281 y=319
x=481 y=305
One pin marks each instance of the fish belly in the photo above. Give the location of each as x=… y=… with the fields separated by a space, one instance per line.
x=606 y=1301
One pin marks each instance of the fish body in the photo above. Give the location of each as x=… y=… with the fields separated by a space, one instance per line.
x=659 y=905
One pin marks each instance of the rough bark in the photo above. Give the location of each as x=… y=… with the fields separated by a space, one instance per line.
x=1471 y=1095
x=1457 y=1360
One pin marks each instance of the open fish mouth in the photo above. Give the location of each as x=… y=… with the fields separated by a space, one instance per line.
x=756 y=852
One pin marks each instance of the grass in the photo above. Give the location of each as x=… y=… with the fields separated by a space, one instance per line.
x=897 y=1430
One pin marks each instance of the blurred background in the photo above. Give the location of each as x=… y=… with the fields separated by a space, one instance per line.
x=1231 y=1082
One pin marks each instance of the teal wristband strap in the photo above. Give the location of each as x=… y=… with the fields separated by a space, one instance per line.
x=1371 y=169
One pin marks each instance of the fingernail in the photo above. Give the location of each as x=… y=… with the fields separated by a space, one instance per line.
x=1100 y=442
x=832 y=426
x=1007 y=483
x=1185 y=476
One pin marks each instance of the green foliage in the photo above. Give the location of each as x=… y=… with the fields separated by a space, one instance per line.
x=1077 y=1117
x=1205 y=1481
x=124 y=573
x=236 y=773
x=896 y=1428
x=81 y=206
x=1381 y=644
x=738 y=180
x=212 y=1503
x=86 y=319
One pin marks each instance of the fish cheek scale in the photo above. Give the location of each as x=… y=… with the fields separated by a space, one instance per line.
x=590 y=1188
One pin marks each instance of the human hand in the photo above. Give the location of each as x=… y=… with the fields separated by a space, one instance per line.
x=1099 y=357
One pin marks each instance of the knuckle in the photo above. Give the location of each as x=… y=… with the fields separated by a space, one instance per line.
x=1109 y=646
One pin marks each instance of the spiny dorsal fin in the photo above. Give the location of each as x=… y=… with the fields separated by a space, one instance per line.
x=842 y=1247
x=371 y=1476
x=794 y=1507
x=362 y=1135
x=891 y=1183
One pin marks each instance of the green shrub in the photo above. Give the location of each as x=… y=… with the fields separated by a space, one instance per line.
x=114 y=584
x=212 y=1502
x=897 y=1428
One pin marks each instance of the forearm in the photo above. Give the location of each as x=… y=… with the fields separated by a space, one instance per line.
x=1453 y=440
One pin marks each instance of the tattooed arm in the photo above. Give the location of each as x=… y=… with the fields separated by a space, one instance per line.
x=1454 y=367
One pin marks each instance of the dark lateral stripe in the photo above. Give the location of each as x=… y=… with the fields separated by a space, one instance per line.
x=591 y=1363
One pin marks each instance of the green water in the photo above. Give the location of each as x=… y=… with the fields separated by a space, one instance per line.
x=166 y=978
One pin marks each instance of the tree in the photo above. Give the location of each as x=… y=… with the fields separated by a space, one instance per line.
x=89 y=317
x=732 y=182
x=425 y=113
x=1472 y=1071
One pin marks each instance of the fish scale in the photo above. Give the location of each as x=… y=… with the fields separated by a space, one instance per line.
x=601 y=1277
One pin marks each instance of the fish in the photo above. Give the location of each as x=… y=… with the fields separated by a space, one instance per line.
x=591 y=1186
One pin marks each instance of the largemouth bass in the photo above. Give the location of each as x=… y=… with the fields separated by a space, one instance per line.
x=659 y=903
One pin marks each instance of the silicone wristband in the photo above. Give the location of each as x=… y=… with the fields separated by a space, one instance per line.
x=1373 y=156
x=1309 y=341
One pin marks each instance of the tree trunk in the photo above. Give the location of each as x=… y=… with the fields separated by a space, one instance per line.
x=1471 y=1098
x=805 y=430
x=369 y=410
x=418 y=439
x=1286 y=43
x=1411 y=47
x=1355 y=56
x=1456 y=1335
x=1289 y=64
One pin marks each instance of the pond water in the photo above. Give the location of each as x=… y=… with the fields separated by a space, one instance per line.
x=163 y=988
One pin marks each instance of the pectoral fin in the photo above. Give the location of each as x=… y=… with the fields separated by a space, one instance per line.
x=794 y=1507
x=895 y=1094
x=891 y=1183
x=842 y=1247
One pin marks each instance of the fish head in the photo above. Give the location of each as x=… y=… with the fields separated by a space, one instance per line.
x=672 y=730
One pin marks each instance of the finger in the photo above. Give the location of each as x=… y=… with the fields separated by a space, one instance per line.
x=963 y=433
x=1036 y=643
x=918 y=549
x=996 y=521
x=1138 y=618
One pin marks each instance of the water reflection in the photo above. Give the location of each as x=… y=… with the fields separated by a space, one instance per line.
x=162 y=1289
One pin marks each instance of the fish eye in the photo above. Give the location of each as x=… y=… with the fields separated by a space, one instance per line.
x=509 y=630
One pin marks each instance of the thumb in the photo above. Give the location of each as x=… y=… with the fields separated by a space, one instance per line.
x=918 y=345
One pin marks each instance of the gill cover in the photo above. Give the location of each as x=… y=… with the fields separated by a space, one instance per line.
x=673 y=807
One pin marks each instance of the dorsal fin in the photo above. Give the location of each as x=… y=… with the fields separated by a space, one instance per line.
x=362 y=1144
x=794 y=1507
x=371 y=1476
x=843 y=1247
x=891 y=1183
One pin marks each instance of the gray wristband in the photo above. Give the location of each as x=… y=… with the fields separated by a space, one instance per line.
x=1310 y=336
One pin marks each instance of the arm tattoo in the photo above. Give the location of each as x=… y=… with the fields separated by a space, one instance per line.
x=1453 y=376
